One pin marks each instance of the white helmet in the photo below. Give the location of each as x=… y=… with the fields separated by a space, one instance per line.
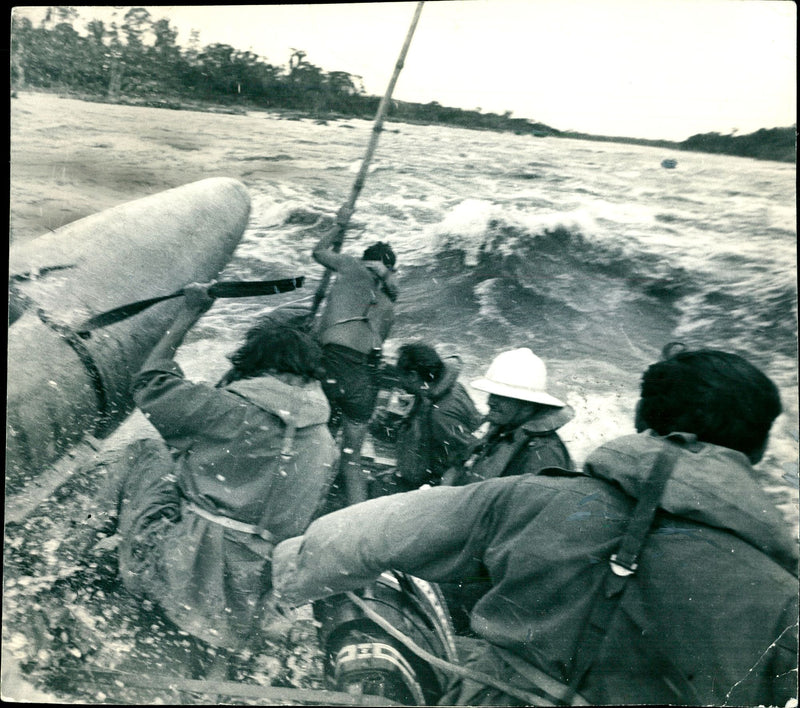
x=520 y=374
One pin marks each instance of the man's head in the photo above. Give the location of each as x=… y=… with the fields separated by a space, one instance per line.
x=509 y=413
x=516 y=383
x=717 y=396
x=381 y=252
x=418 y=366
x=276 y=345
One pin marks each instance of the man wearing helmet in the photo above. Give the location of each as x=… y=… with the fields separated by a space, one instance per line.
x=523 y=419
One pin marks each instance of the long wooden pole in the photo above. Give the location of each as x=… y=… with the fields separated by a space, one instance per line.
x=270 y=695
x=362 y=173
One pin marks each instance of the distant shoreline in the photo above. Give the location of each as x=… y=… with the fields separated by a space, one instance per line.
x=772 y=144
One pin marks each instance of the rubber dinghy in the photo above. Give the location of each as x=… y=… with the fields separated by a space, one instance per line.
x=62 y=387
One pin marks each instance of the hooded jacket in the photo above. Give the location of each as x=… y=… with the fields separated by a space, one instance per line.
x=709 y=618
x=436 y=434
x=257 y=451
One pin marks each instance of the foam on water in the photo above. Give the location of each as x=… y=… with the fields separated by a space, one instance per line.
x=590 y=253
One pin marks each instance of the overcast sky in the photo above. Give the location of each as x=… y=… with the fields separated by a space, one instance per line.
x=638 y=68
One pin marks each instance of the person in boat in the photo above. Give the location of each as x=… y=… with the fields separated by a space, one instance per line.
x=436 y=433
x=241 y=466
x=523 y=417
x=522 y=438
x=356 y=318
x=703 y=613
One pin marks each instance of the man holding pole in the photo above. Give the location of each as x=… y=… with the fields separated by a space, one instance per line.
x=358 y=312
x=355 y=321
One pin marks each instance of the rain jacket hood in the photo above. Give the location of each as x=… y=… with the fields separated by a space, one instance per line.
x=452 y=368
x=297 y=403
x=549 y=420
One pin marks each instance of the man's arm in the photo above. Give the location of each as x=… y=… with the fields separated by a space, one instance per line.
x=324 y=252
x=389 y=282
x=453 y=437
x=196 y=301
x=437 y=534
x=160 y=390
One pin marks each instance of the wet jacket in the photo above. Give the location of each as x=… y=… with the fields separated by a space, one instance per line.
x=359 y=309
x=527 y=449
x=709 y=618
x=436 y=434
x=257 y=451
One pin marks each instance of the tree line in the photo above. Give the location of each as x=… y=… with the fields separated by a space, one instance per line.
x=779 y=144
x=136 y=59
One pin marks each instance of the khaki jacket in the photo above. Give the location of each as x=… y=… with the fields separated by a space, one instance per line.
x=359 y=309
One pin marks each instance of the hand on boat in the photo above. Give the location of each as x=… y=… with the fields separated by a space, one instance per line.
x=196 y=296
x=276 y=618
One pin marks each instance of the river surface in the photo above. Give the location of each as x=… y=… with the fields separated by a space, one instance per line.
x=592 y=254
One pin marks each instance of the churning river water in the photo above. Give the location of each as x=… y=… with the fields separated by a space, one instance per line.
x=592 y=254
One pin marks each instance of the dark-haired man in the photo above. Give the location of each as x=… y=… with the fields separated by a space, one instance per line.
x=240 y=466
x=661 y=574
x=436 y=433
x=356 y=319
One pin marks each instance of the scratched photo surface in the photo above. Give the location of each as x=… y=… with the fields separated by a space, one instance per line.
x=593 y=253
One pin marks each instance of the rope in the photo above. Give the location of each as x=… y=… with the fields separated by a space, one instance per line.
x=533 y=699
x=269 y=695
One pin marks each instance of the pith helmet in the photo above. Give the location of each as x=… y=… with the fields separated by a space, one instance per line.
x=518 y=373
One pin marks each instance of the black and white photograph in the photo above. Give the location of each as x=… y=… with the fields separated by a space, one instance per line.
x=403 y=353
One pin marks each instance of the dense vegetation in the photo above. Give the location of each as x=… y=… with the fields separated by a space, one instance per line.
x=136 y=59
x=774 y=144
x=779 y=144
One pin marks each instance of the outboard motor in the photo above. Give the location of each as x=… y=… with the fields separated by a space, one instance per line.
x=361 y=658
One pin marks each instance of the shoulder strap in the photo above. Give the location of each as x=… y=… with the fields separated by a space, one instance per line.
x=623 y=564
x=503 y=458
x=625 y=561
x=517 y=447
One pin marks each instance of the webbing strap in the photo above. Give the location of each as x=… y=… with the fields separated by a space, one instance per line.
x=93 y=371
x=623 y=563
x=627 y=555
x=232 y=524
